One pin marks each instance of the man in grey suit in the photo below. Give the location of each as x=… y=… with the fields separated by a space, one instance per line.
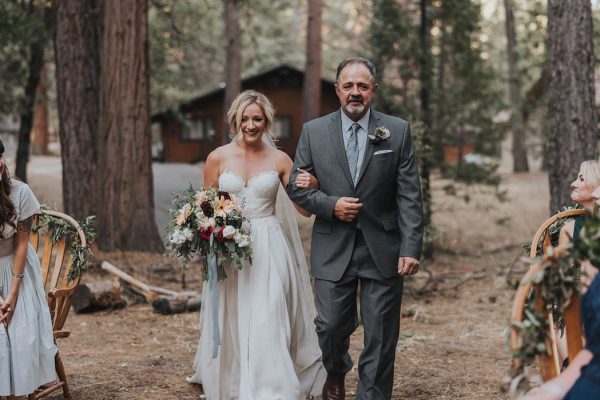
x=368 y=228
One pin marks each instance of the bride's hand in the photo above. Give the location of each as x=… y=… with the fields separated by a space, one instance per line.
x=305 y=180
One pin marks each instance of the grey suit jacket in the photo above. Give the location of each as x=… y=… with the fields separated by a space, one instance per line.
x=388 y=185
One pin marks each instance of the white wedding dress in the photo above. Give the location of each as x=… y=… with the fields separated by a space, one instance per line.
x=269 y=348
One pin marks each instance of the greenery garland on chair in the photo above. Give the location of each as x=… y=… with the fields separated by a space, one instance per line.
x=61 y=229
x=558 y=277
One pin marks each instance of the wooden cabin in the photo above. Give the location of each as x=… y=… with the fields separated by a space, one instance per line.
x=195 y=129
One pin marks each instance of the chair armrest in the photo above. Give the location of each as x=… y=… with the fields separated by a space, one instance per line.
x=62 y=292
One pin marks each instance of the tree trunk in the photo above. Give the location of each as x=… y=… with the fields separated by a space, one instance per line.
x=519 y=151
x=440 y=98
x=36 y=63
x=77 y=56
x=233 y=61
x=572 y=121
x=311 y=95
x=426 y=72
x=39 y=132
x=125 y=190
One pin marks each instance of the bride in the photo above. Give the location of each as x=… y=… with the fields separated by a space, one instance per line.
x=269 y=348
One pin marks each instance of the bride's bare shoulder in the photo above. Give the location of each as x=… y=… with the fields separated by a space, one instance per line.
x=283 y=160
x=220 y=153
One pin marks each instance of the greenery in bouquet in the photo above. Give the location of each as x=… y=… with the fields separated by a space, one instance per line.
x=209 y=221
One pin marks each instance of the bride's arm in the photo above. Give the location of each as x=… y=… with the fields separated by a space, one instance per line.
x=284 y=167
x=211 y=169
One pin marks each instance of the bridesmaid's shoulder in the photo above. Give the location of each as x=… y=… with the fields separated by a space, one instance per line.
x=17 y=185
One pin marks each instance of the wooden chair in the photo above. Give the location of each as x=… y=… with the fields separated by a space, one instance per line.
x=549 y=364
x=543 y=232
x=56 y=262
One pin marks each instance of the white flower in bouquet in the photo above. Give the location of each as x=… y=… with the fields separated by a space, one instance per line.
x=187 y=233
x=184 y=214
x=177 y=237
x=229 y=232
x=242 y=240
x=205 y=223
x=199 y=197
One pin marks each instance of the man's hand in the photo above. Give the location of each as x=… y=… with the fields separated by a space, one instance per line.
x=408 y=266
x=346 y=208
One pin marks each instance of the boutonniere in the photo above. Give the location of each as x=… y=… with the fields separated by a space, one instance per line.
x=381 y=133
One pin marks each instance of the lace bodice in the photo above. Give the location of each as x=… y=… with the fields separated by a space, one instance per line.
x=259 y=192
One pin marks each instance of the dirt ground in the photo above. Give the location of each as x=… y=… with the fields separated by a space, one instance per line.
x=452 y=337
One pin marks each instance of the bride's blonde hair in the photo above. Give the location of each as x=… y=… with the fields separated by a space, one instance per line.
x=239 y=104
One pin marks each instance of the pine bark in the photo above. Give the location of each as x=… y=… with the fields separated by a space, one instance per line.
x=39 y=131
x=311 y=95
x=572 y=120
x=77 y=57
x=124 y=169
x=233 y=61
x=426 y=72
x=519 y=149
x=36 y=62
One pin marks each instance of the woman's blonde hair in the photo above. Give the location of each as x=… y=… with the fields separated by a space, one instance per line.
x=239 y=104
x=590 y=170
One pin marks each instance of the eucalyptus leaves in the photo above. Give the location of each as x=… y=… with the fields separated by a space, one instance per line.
x=555 y=280
x=60 y=229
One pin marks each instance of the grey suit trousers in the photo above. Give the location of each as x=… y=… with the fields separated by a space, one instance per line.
x=380 y=300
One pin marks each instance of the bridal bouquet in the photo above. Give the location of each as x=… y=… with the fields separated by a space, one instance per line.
x=211 y=224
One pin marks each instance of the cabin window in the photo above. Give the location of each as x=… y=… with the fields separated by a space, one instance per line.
x=282 y=127
x=198 y=129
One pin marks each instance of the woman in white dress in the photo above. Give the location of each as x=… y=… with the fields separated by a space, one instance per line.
x=269 y=348
x=27 y=346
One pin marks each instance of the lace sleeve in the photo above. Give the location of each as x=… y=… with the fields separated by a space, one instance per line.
x=25 y=225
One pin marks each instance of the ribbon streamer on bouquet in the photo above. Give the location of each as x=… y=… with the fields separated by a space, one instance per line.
x=214 y=300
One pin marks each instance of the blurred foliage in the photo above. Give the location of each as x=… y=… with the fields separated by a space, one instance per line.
x=187 y=48
x=21 y=25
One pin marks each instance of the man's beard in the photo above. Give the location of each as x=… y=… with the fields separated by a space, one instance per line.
x=355 y=110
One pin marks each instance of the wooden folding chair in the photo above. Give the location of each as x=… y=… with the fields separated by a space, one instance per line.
x=56 y=261
x=549 y=364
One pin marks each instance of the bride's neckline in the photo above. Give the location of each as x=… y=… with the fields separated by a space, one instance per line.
x=246 y=182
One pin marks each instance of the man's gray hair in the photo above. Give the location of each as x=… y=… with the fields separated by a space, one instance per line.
x=356 y=60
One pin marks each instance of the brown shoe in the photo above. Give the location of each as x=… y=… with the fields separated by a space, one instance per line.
x=334 y=388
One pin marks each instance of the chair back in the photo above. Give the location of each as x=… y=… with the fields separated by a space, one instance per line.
x=56 y=261
x=542 y=236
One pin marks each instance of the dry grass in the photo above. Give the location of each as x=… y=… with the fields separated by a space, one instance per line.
x=452 y=343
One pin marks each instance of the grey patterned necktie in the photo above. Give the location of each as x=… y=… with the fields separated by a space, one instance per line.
x=352 y=150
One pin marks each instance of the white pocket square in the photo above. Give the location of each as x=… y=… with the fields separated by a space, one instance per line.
x=382 y=152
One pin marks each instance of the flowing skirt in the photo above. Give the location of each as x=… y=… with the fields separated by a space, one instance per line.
x=27 y=348
x=269 y=347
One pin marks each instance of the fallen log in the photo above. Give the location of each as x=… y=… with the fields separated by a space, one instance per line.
x=143 y=288
x=176 y=304
x=95 y=296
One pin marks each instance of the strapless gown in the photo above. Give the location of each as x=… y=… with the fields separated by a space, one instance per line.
x=269 y=348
